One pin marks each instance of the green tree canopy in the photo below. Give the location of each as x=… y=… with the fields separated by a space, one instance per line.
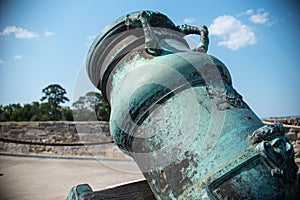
x=91 y=107
x=54 y=95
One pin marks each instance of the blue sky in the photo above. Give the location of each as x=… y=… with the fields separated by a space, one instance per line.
x=45 y=42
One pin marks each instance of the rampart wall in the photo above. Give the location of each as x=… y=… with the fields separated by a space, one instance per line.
x=87 y=138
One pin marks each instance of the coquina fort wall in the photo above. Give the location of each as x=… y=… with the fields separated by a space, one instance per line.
x=87 y=138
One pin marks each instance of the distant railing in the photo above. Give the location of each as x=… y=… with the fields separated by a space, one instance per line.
x=284 y=125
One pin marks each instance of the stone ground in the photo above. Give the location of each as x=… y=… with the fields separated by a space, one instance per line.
x=45 y=178
x=40 y=178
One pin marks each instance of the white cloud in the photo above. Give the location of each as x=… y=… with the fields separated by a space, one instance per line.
x=20 y=33
x=48 y=33
x=18 y=57
x=239 y=39
x=233 y=32
x=249 y=12
x=2 y=62
x=189 y=20
x=270 y=23
x=259 y=18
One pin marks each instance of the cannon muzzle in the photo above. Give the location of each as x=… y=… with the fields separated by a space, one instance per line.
x=175 y=111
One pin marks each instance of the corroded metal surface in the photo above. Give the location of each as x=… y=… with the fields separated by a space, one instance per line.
x=174 y=110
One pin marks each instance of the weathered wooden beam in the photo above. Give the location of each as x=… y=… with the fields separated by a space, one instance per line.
x=135 y=190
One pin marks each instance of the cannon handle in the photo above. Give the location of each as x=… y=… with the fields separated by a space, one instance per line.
x=188 y=29
x=202 y=31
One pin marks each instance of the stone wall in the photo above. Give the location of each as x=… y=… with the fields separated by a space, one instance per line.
x=86 y=138
x=58 y=138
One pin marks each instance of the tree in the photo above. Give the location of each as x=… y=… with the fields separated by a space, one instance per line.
x=47 y=111
x=41 y=112
x=55 y=95
x=11 y=112
x=4 y=113
x=29 y=111
x=91 y=107
x=67 y=114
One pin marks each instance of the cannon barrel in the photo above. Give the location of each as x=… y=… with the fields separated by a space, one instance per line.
x=175 y=111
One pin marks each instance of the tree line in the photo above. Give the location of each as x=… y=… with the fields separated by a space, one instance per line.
x=90 y=107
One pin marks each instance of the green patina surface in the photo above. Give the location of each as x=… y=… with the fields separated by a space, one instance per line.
x=175 y=111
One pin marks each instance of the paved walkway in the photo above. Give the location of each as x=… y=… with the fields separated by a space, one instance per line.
x=49 y=178
x=45 y=178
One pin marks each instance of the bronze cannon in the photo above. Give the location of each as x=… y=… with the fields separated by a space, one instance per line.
x=175 y=111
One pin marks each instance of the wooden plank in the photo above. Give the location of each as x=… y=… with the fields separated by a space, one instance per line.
x=135 y=190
